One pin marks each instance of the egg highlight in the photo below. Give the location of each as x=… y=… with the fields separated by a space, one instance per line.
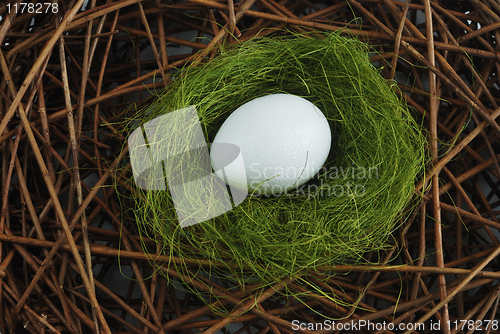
x=284 y=140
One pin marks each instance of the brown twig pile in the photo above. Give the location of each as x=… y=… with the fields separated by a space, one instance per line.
x=70 y=261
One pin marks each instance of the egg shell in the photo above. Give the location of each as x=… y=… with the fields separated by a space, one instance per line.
x=284 y=140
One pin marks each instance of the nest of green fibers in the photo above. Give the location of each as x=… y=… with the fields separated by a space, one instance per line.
x=350 y=208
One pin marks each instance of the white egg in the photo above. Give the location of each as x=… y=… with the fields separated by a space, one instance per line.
x=284 y=140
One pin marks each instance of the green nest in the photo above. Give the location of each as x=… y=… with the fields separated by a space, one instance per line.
x=353 y=205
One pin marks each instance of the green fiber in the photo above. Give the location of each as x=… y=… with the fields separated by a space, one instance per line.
x=377 y=156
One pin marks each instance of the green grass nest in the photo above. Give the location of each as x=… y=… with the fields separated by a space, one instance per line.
x=268 y=238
